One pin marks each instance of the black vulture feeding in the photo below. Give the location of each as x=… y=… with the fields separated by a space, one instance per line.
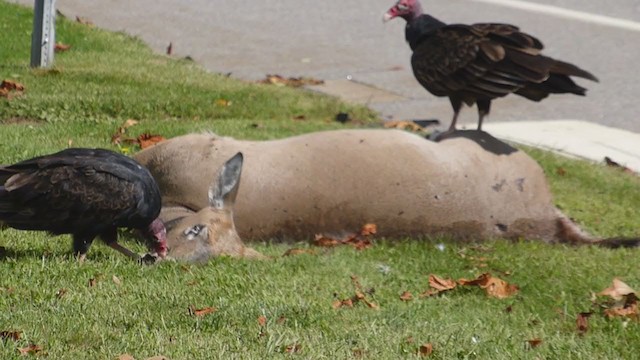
x=480 y=62
x=85 y=193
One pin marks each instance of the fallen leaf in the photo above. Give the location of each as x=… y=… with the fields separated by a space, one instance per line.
x=281 y=320
x=262 y=320
x=84 y=21
x=627 y=310
x=32 y=349
x=403 y=125
x=441 y=284
x=294 y=348
x=11 y=85
x=321 y=240
x=296 y=251
x=299 y=117
x=561 y=171
x=582 y=322
x=533 y=343
x=10 y=335
x=425 y=349
x=291 y=81
x=342 y=303
x=126 y=357
x=60 y=293
x=223 y=102
x=499 y=288
x=618 y=290
x=116 y=280
x=368 y=229
x=146 y=140
x=59 y=47
x=612 y=163
x=92 y=282
x=406 y=296
x=203 y=311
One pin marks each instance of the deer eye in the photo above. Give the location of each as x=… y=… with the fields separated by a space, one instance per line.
x=194 y=231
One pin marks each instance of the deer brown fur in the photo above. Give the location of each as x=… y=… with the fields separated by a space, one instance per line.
x=470 y=186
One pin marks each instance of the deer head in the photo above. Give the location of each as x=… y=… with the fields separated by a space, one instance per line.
x=197 y=236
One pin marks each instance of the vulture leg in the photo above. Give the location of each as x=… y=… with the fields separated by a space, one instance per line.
x=457 y=105
x=110 y=237
x=484 y=105
x=81 y=244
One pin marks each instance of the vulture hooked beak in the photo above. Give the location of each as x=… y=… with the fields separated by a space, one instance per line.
x=389 y=15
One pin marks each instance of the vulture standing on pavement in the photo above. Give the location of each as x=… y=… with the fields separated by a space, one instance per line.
x=86 y=193
x=480 y=62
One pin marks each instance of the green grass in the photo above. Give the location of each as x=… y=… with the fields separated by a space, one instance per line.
x=107 y=78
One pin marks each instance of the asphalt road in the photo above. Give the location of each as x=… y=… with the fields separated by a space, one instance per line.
x=336 y=39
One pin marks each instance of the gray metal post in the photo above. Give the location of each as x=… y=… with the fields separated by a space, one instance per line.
x=43 y=38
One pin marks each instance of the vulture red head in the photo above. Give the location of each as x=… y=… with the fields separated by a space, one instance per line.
x=406 y=9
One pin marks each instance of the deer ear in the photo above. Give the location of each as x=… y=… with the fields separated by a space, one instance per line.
x=223 y=190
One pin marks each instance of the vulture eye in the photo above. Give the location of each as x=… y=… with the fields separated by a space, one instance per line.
x=403 y=7
x=194 y=231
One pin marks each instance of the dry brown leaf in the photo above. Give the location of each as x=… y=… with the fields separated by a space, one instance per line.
x=11 y=85
x=342 y=303
x=281 y=320
x=60 y=293
x=146 y=140
x=582 y=322
x=84 y=21
x=561 y=171
x=293 y=348
x=441 y=284
x=368 y=229
x=425 y=349
x=92 y=282
x=299 y=117
x=477 y=281
x=202 y=312
x=32 y=349
x=323 y=241
x=116 y=280
x=296 y=251
x=403 y=125
x=615 y=164
x=262 y=320
x=10 y=335
x=618 y=290
x=533 y=343
x=630 y=310
x=126 y=357
x=59 y=47
x=499 y=288
x=279 y=80
x=406 y=296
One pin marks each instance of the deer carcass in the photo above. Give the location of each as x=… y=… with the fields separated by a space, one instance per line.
x=470 y=186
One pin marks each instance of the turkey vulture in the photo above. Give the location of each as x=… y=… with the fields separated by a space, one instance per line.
x=480 y=62
x=85 y=193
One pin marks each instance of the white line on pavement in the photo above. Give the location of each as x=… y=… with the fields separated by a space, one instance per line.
x=566 y=13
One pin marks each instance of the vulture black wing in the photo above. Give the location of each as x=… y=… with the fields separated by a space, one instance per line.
x=478 y=61
x=78 y=190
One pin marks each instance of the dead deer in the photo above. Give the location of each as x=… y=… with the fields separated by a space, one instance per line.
x=470 y=186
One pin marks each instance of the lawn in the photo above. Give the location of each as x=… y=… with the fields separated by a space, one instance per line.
x=284 y=307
